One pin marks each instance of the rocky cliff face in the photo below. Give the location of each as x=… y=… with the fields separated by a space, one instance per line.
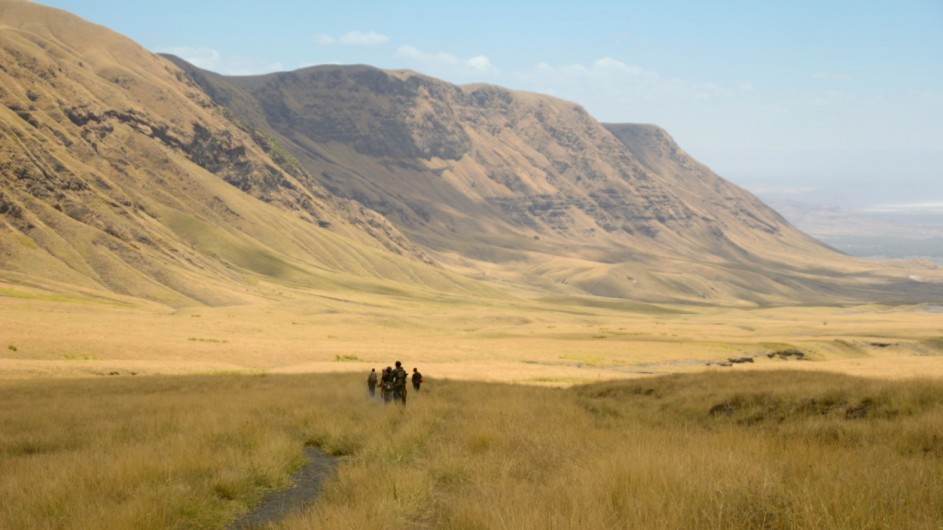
x=533 y=190
x=540 y=166
x=446 y=156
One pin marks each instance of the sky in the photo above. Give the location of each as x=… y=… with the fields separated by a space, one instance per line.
x=842 y=97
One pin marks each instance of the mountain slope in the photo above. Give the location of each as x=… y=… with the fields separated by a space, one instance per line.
x=120 y=176
x=125 y=174
x=532 y=190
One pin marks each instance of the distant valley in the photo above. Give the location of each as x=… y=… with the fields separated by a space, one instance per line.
x=865 y=232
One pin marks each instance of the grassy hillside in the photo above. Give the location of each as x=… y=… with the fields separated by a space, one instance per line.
x=120 y=178
x=759 y=450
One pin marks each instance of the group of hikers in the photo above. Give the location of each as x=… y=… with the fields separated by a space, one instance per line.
x=392 y=382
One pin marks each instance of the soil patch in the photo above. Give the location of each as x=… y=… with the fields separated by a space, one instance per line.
x=306 y=483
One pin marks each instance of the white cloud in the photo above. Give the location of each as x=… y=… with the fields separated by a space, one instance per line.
x=446 y=63
x=481 y=63
x=352 y=38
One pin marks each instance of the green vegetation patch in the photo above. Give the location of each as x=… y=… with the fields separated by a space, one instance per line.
x=589 y=360
x=278 y=152
x=80 y=357
x=560 y=380
x=772 y=399
x=935 y=343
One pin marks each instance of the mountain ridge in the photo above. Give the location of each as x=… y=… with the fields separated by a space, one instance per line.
x=139 y=175
x=568 y=201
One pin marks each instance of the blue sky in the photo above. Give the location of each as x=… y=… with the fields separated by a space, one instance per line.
x=842 y=96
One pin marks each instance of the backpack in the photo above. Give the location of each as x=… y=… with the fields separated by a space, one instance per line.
x=372 y=378
x=399 y=376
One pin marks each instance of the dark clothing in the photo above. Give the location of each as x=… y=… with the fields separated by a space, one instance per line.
x=399 y=377
x=386 y=388
x=399 y=383
x=417 y=380
x=372 y=383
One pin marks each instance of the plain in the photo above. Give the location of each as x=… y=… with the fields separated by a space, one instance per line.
x=538 y=413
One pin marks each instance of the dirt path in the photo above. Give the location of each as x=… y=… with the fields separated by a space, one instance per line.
x=306 y=483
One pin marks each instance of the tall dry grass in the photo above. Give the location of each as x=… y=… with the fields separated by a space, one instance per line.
x=187 y=452
x=752 y=450
x=781 y=450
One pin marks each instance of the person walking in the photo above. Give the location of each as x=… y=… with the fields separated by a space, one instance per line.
x=372 y=382
x=399 y=382
x=417 y=379
x=386 y=382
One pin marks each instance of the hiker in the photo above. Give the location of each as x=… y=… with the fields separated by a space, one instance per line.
x=386 y=384
x=417 y=379
x=372 y=382
x=399 y=382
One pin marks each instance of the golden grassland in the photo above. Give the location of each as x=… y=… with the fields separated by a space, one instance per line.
x=120 y=414
x=496 y=339
x=780 y=449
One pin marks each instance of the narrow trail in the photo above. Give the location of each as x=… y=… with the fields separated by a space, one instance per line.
x=306 y=483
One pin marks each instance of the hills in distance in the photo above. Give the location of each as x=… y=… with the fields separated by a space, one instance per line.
x=127 y=174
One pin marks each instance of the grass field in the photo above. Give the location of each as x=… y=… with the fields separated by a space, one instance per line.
x=490 y=339
x=714 y=450
x=123 y=415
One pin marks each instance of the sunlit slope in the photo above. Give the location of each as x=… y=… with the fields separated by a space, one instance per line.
x=532 y=190
x=127 y=174
x=120 y=176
